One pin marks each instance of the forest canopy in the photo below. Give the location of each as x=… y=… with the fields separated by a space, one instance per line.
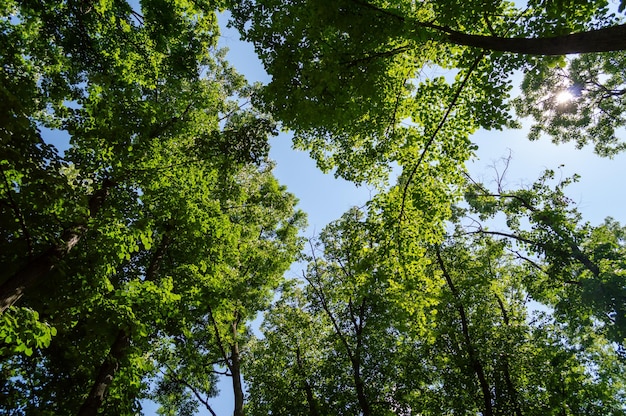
x=143 y=230
x=348 y=75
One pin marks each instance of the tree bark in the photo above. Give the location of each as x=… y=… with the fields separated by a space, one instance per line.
x=105 y=376
x=38 y=268
x=235 y=371
x=475 y=363
x=607 y=39
x=119 y=349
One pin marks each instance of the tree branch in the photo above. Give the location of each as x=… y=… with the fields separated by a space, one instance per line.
x=172 y=374
x=434 y=135
x=474 y=361
x=607 y=39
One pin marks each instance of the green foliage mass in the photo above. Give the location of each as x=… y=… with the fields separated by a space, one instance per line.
x=349 y=77
x=162 y=208
x=486 y=322
x=136 y=258
x=417 y=306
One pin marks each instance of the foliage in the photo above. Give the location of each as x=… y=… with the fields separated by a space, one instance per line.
x=164 y=195
x=137 y=254
x=350 y=77
x=592 y=109
x=578 y=266
x=481 y=343
x=217 y=301
x=461 y=319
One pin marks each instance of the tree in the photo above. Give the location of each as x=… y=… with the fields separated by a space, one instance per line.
x=336 y=332
x=578 y=266
x=263 y=226
x=358 y=81
x=63 y=78
x=466 y=337
x=139 y=256
x=359 y=84
x=283 y=369
x=166 y=173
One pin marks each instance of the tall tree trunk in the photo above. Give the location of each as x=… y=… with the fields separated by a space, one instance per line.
x=360 y=388
x=235 y=371
x=601 y=40
x=475 y=363
x=107 y=372
x=37 y=269
x=119 y=349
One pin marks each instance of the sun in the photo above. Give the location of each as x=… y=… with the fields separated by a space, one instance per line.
x=563 y=97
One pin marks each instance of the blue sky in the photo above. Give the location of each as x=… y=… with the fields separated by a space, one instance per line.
x=325 y=198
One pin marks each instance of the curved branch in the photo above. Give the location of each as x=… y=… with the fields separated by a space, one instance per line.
x=607 y=39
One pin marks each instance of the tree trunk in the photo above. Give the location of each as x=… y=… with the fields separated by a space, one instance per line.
x=38 y=268
x=14 y=287
x=601 y=40
x=235 y=369
x=475 y=363
x=105 y=375
x=119 y=349
x=354 y=357
x=360 y=389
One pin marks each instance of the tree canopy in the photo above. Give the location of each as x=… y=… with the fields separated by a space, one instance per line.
x=117 y=248
x=143 y=231
x=360 y=82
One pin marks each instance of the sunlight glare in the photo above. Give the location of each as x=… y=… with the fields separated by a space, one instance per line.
x=564 y=96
